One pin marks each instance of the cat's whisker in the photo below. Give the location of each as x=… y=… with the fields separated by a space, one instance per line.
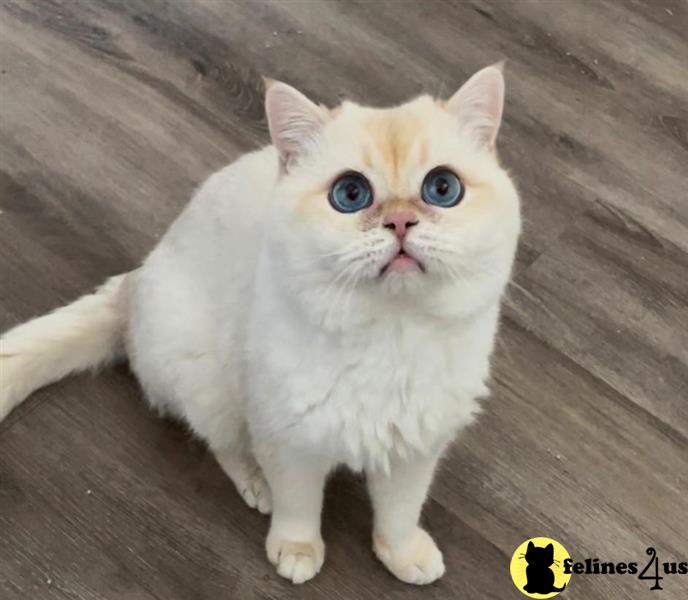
x=341 y=255
x=354 y=279
x=330 y=289
x=335 y=288
x=347 y=253
x=349 y=272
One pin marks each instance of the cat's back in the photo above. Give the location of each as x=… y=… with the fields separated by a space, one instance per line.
x=190 y=298
x=232 y=203
x=203 y=267
x=219 y=233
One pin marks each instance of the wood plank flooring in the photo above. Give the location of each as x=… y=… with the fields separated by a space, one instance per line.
x=113 y=111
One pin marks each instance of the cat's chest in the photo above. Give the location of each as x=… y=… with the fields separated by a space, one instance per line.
x=366 y=398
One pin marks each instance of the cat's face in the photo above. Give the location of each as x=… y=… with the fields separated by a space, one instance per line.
x=542 y=557
x=405 y=202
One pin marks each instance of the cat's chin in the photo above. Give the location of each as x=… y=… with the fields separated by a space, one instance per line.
x=406 y=279
x=402 y=264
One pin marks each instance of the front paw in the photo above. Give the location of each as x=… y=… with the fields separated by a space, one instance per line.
x=418 y=560
x=297 y=561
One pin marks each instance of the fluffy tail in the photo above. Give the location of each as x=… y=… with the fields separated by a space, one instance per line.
x=81 y=335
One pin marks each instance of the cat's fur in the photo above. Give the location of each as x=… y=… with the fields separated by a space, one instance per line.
x=262 y=318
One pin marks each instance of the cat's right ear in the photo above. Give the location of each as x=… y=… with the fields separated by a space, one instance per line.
x=531 y=546
x=294 y=121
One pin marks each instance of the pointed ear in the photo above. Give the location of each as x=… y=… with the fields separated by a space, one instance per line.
x=531 y=545
x=550 y=548
x=294 y=121
x=479 y=103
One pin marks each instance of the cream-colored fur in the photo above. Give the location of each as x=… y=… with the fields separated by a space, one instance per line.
x=82 y=335
x=268 y=322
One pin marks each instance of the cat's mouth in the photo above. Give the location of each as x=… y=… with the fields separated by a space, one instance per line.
x=403 y=262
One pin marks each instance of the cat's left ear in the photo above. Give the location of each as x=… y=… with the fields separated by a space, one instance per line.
x=294 y=121
x=479 y=103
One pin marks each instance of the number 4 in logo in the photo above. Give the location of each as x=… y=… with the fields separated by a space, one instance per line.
x=656 y=577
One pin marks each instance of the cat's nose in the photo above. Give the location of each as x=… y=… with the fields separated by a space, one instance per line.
x=400 y=222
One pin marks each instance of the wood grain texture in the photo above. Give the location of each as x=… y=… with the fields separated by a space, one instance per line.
x=112 y=111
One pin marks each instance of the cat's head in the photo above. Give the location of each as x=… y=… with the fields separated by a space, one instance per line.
x=386 y=207
x=540 y=557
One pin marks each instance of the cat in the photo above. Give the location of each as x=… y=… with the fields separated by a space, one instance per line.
x=331 y=299
x=540 y=576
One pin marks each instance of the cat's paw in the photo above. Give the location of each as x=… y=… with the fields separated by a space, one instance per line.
x=249 y=480
x=255 y=491
x=418 y=561
x=297 y=561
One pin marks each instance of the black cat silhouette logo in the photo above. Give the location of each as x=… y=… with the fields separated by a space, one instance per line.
x=537 y=568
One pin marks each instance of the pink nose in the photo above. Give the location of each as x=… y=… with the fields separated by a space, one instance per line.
x=400 y=222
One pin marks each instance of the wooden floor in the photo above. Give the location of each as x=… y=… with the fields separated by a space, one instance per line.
x=112 y=111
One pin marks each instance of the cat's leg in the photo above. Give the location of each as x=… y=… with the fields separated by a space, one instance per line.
x=230 y=442
x=241 y=467
x=406 y=549
x=294 y=544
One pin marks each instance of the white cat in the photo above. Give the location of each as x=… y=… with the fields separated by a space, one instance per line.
x=331 y=299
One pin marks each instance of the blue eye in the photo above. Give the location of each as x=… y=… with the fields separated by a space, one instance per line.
x=351 y=193
x=442 y=188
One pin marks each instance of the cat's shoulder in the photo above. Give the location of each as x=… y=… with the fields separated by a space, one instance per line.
x=260 y=167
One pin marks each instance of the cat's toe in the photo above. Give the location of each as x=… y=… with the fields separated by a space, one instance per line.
x=256 y=493
x=264 y=500
x=248 y=478
x=297 y=561
x=417 y=561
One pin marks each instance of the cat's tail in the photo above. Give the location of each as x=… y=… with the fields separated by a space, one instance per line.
x=84 y=334
x=561 y=589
